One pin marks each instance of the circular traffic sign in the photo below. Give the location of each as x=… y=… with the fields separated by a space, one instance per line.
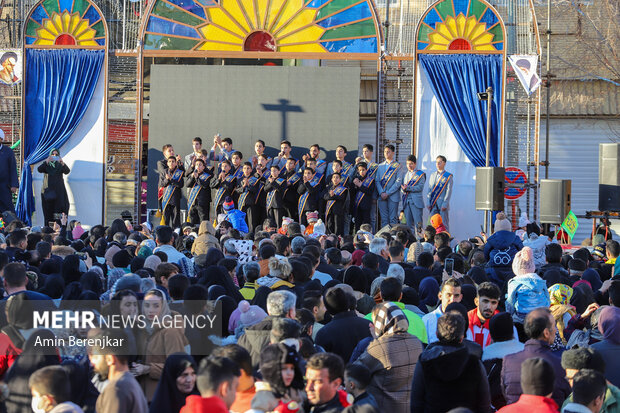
x=516 y=183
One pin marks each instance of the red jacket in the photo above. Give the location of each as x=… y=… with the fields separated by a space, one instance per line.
x=475 y=321
x=528 y=403
x=198 y=404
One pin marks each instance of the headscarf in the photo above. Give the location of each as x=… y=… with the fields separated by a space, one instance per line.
x=478 y=275
x=217 y=275
x=429 y=290
x=225 y=306
x=560 y=295
x=609 y=324
x=591 y=276
x=19 y=310
x=92 y=282
x=388 y=318
x=167 y=397
x=83 y=392
x=54 y=286
x=30 y=360
x=52 y=164
x=152 y=261
x=583 y=296
x=70 y=269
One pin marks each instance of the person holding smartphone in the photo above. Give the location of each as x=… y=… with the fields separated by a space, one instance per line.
x=54 y=197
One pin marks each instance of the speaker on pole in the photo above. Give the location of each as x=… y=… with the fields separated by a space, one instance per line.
x=490 y=188
x=609 y=177
x=554 y=200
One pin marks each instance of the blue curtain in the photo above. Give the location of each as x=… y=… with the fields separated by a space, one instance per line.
x=59 y=87
x=455 y=80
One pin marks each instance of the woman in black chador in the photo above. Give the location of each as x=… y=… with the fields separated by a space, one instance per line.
x=54 y=194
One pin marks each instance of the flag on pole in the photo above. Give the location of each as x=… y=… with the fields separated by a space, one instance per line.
x=525 y=67
x=570 y=224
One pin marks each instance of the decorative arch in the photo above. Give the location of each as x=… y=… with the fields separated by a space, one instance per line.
x=65 y=24
x=281 y=28
x=460 y=26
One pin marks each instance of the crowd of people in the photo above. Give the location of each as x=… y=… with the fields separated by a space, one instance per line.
x=305 y=316
x=342 y=195
x=398 y=321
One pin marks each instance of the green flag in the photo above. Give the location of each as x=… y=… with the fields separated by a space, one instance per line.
x=570 y=224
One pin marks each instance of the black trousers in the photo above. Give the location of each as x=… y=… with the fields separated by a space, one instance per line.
x=291 y=211
x=49 y=209
x=335 y=223
x=252 y=216
x=199 y=213
x=362 y=216
x=276 y=214
x=172 y=216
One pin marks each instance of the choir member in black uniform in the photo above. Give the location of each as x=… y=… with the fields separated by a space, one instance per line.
x=335 y=196
x=293 y=180
x=198 y=180
x=171 y=180
x=247 y=192
x=262 y=172
x=309 y=190
x=224 y=182
x=162 y=165
x=362 y=188
x=275 y=188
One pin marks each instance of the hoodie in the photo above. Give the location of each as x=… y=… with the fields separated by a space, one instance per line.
x=501 y=248
x=447 y=377
x=525 y=293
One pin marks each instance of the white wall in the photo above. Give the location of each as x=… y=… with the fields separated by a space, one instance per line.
x=84 y=154
x=573 y=154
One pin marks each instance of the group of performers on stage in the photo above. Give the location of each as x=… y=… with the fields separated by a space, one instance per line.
x=345 y=195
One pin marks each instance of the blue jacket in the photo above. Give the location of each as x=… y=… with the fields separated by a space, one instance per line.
x=392 y=187
x=525 y=293
x=237 y=219
x=413 y=195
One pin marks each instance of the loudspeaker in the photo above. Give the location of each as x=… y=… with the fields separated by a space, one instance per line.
x=609 y=177
x=490 y=188
x=554 y=200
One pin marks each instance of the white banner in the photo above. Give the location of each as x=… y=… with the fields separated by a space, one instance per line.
x=525 y=67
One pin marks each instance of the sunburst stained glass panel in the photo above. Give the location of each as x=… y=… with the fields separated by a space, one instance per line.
x=65 y=23
x=321 y=26
x=460 y=25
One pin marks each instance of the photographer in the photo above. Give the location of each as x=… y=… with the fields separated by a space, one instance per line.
x=53 y=192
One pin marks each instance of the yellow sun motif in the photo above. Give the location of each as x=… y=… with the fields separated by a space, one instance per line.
x=461 y=33
x=66 y=29
x=262 y=25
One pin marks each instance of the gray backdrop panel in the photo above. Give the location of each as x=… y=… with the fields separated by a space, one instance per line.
x=246 y=103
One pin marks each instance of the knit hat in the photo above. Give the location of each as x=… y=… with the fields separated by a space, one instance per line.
x=111 y=252
x=583 y=358
x=152 y=262
x=228 y=204
x=145 y=252
x=501 y=327
x=250 y=314
x=297 y=244
x=577 y=266
x=523 y=262
x=502 y=223
x=436 y=221
x=537 y=377
x=600 y=251
x=312 y=216
x=319 y=229
x=523 y=221
x=127 y=282
x=286 y=221
x=121 y=259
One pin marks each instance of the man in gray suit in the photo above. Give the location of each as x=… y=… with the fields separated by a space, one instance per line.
x=388 y=179
x=440 y=189
x=411 y=190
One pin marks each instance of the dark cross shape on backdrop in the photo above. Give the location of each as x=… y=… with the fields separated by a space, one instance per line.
x=283 y=107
